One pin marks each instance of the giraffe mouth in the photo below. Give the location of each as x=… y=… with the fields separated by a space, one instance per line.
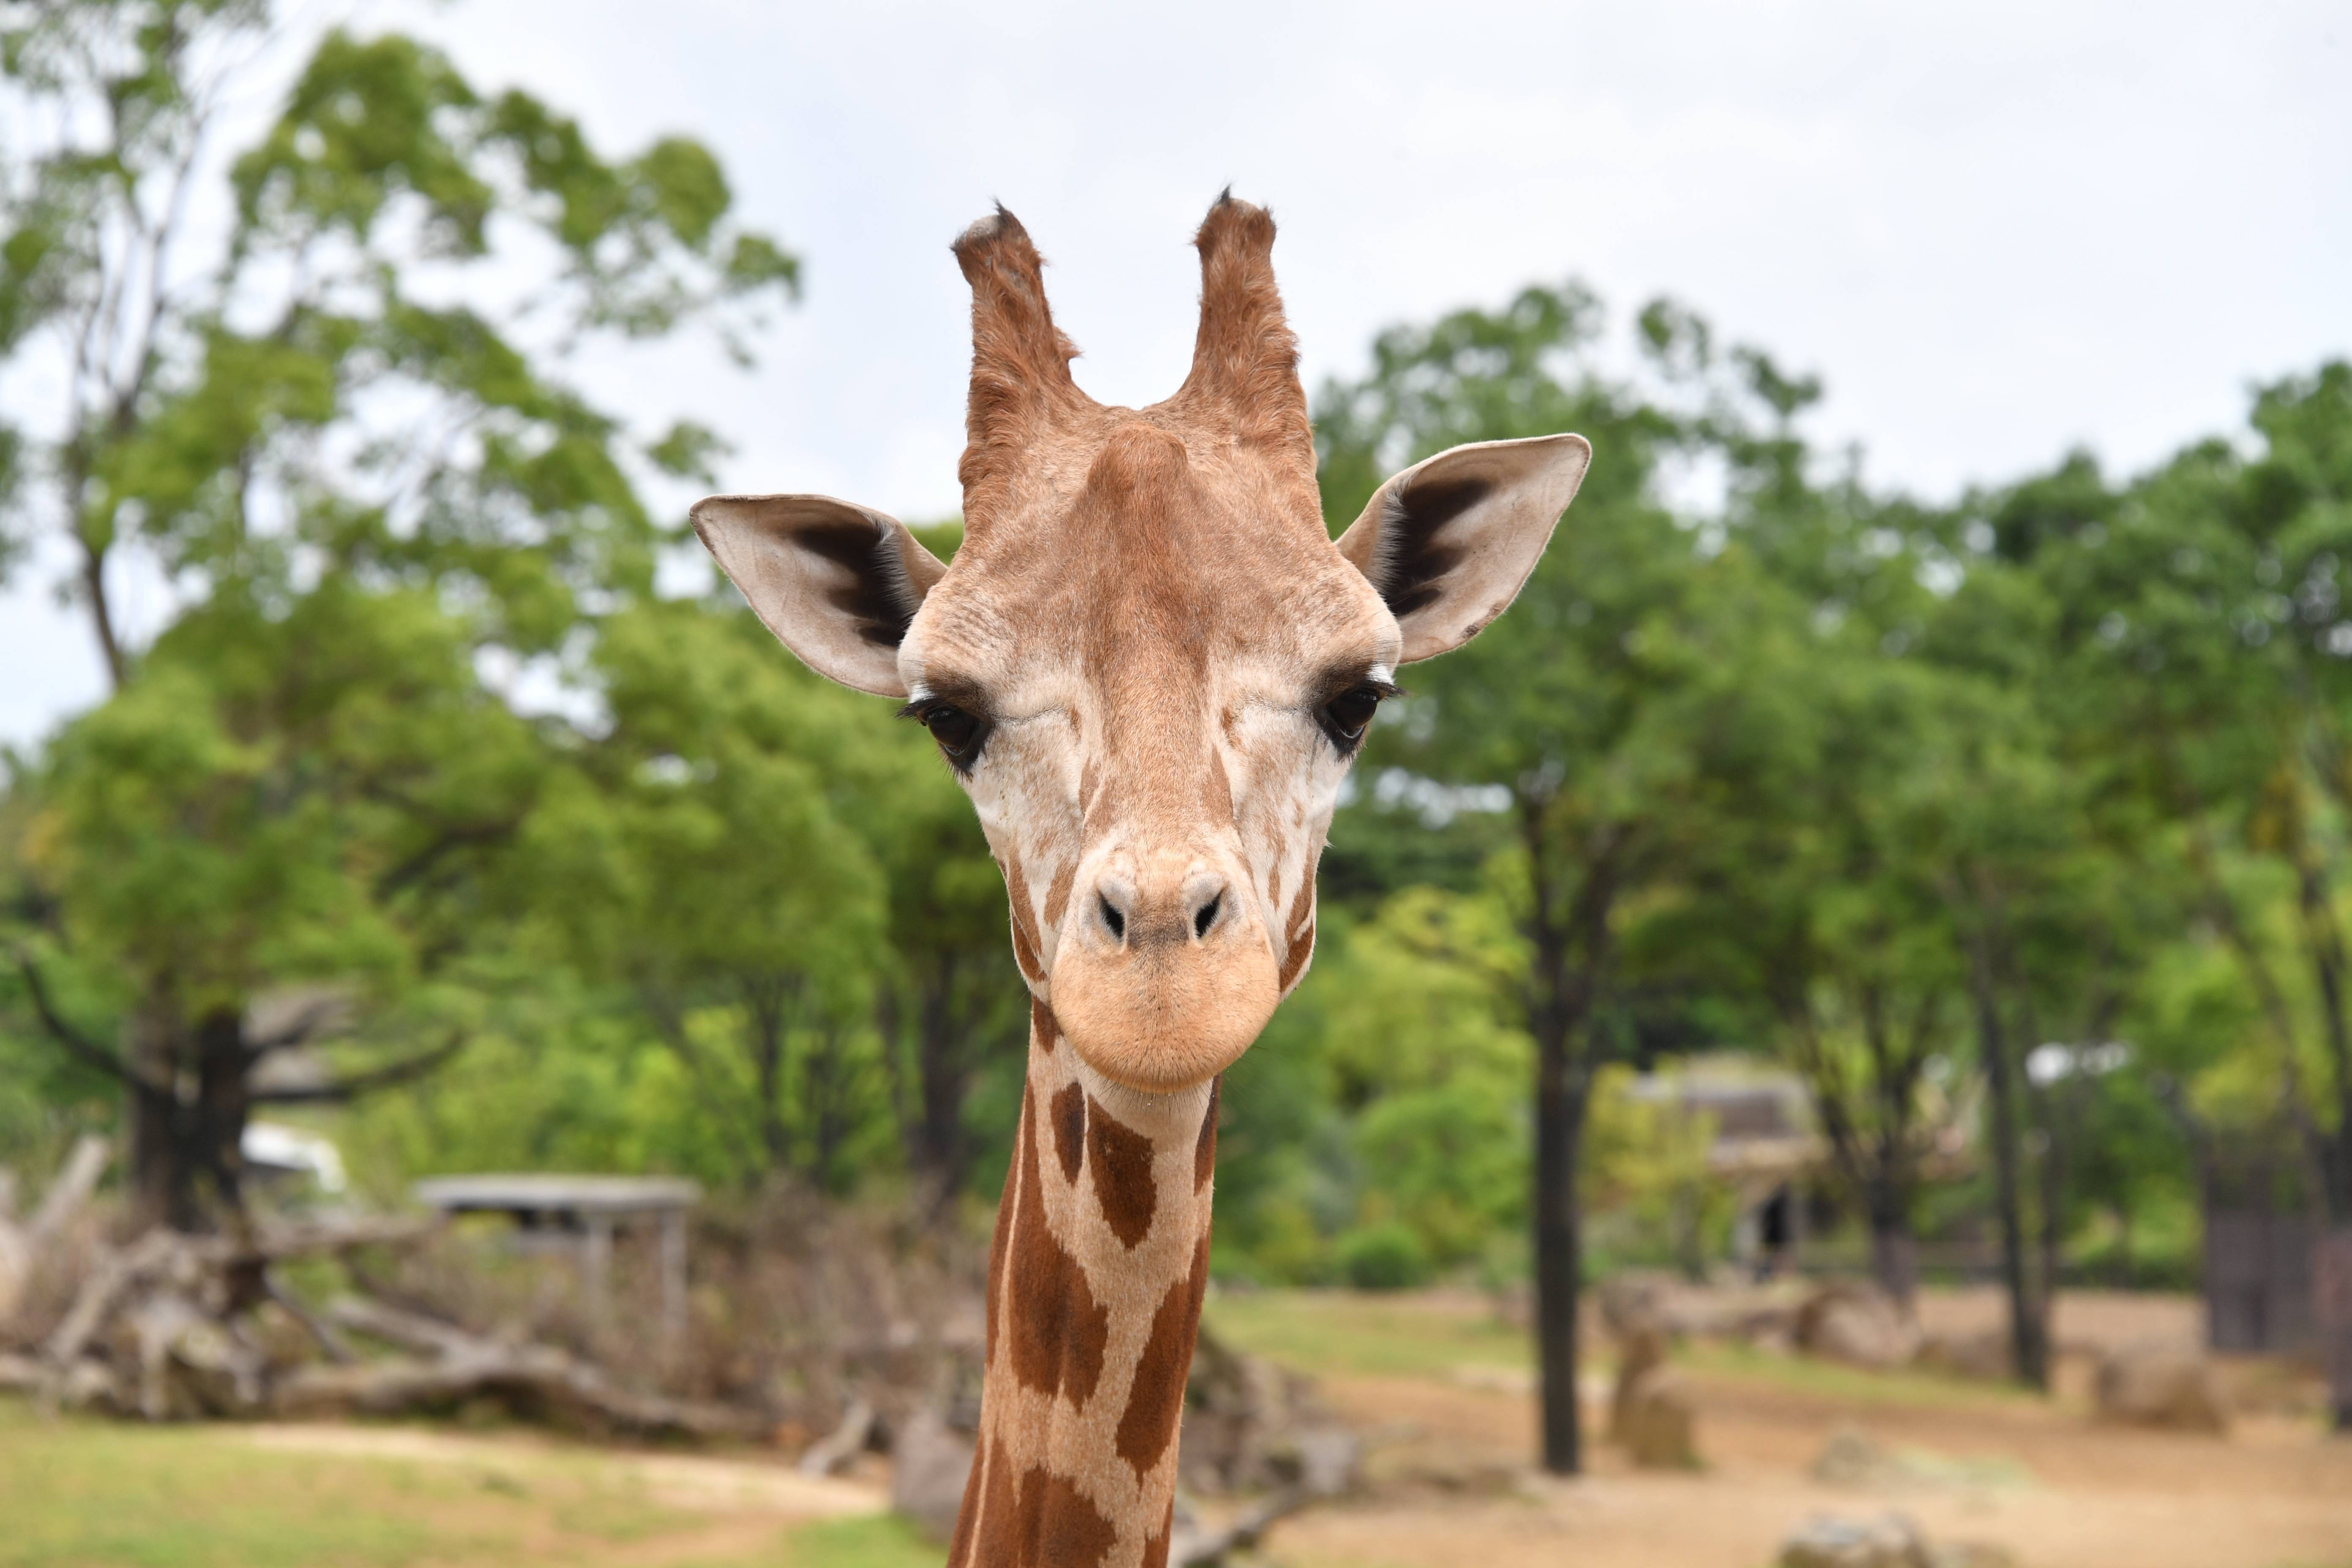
x=1164 y=1019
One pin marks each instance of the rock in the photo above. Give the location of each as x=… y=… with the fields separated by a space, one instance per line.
x=1853 y=1458
x=1446 y=1466
x=2160 y=1386
x=1983 y=1356
x=1640 y=1350
x=1658 y=1422
x=1652 y=1414
x=1890 y=1541
x=930 y=1464
x=1857 y=1324
x=1634 y=1299
x=1247 y=1423
x=1330 y=1462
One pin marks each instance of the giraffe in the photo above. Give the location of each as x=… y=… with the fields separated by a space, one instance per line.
x=1150 y=668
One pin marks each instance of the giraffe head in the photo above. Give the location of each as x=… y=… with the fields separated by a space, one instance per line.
x=1149 y=664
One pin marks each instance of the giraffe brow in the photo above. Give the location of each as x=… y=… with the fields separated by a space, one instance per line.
x=951 y=688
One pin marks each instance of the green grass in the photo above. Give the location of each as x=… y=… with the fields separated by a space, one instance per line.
x=1368 y=1335
x=885 y=1542
x=1410 y=1335
x=96 y=1494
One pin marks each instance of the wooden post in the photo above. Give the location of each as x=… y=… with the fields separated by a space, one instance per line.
x=596 y=1271
x=673 y=1281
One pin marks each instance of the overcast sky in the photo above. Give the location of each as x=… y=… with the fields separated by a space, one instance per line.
x=1996 y=230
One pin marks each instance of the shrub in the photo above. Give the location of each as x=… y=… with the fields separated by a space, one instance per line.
x=1386 y=1256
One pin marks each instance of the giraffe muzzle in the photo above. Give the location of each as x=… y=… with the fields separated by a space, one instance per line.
x=1166 y=980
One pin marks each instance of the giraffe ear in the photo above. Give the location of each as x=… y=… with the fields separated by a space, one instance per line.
x=1448 y=541
x=837 y=584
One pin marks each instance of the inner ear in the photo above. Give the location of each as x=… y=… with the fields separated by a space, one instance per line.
x=838 y=584
x=1448 y=543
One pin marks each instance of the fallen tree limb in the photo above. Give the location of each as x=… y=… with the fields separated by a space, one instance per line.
x=408 y=1330
x=464 y=1365
x=843 y=1444
x=1191 y=1547
x=106 y=1286
x=70 y=1190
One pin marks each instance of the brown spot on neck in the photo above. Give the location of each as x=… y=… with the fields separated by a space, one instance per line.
x=1055 y=1331
x=1204 y=1148
x=999 y=1246
x=1122 y=1173
x=1155 y=1548
x=1041 y=1521
x=1148 y=1423
x=1070 y=1128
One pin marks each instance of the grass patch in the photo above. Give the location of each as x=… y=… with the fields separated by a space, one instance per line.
x=888 y=1542
x=95 y=1494
x=76 y=1494
x=1439 y=1335
x=1330 y=1332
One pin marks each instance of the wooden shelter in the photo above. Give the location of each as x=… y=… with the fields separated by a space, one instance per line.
x=579 y=1214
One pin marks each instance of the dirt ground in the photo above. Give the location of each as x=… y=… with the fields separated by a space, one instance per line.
x=1976 y=1465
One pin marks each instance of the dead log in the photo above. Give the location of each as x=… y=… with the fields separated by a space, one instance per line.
x=843 y=1444
x=398 y=1326
x=464 y=1365
x=1190 y=1546
x=151 y=1254
x=70 y=1192
x=23 y=1248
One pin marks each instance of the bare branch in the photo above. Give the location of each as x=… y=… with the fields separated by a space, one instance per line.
x=336 y=1092
x=77 y=1045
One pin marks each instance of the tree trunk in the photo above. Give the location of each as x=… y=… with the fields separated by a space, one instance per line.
x=152 y=1106
x=1559 y=1251
x=941 y=1153
x=766 y=1022
x=2028 y=1343
x=2052 y=1204
x=1894 y=1251
x=188 y=1108
x=2332 y=1296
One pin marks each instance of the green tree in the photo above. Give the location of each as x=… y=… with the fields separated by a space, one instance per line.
x=363 y=488
x=2203 y=640
x=1608 y=707
x=700 y=854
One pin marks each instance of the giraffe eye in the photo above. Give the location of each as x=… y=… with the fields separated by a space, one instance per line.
x=1345 y=717
x=959 y=734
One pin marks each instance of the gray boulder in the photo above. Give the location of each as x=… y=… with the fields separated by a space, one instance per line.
x=2161 y=1385
x=929 y=1463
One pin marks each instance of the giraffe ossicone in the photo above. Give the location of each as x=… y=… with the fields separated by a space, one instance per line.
x=1150 y=668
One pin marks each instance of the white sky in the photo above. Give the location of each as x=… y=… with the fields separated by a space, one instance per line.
x=1998 y=230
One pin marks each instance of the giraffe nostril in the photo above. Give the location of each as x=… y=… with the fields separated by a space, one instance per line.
x=1208 y=915
x=1111 y=918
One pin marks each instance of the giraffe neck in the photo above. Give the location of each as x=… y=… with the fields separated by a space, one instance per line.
x=1094 y=1298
